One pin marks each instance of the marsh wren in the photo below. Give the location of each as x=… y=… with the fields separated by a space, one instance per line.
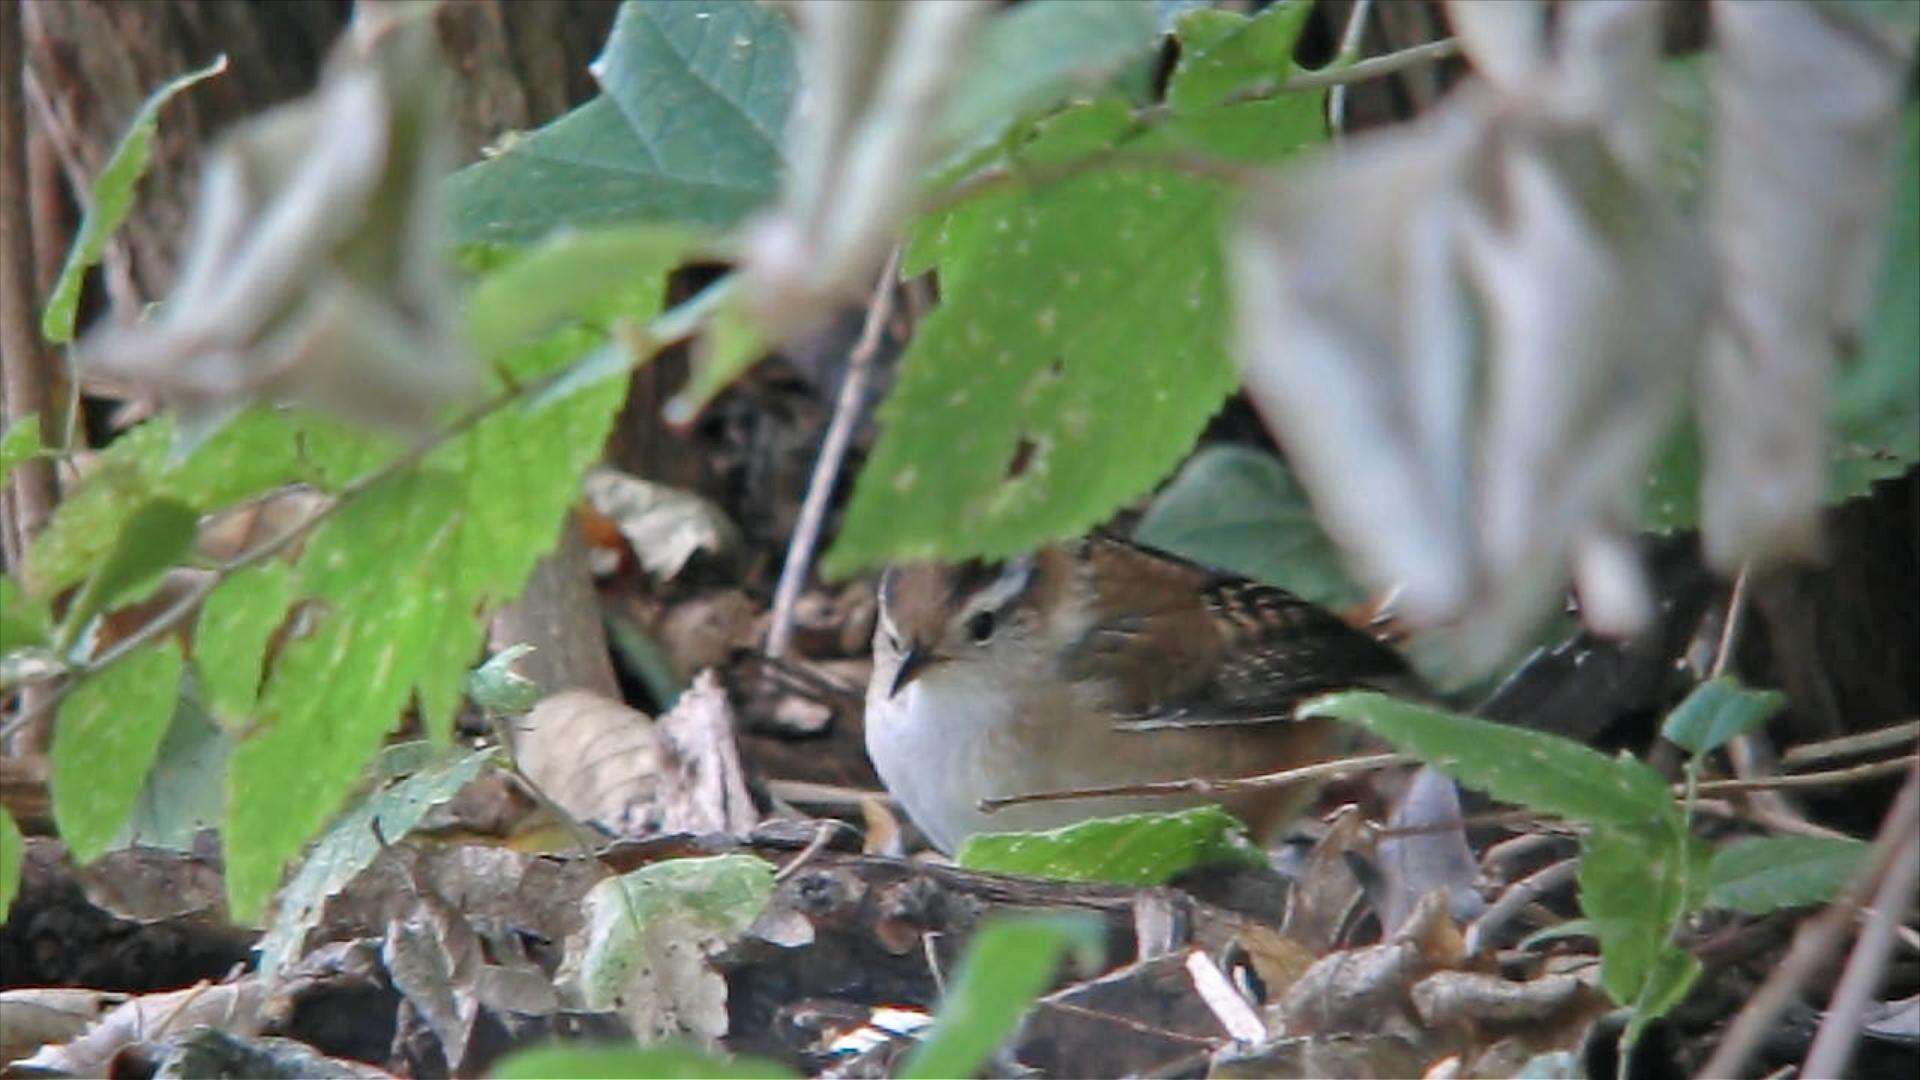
x=1095 y=663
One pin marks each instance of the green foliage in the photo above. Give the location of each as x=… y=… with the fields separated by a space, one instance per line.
x=20 y=443
x=1531 y=768
x=1767 y=873
x=540 y=290
x=111 y=199
x=731 y=343
x=1633 y=892
x=1010 y=962
x=1240 y=509
x=13 y=850
x=104 y=737
x=1222 y=53
x=185 y=790
x=1133 y=849
x=662 y=1061
x=497 y=688
x=24 y=621
x=351 y=843
x=237 y=621
x=1716 y=712
x=157 y=534
x=687 y=130
x=1080 y=344
x=1030 y=58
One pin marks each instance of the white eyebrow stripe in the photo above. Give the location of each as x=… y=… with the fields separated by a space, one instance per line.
x=1005 y=589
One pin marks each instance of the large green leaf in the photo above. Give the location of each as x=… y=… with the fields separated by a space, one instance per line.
x=1134 y=849
x=688 y=130
x=1767 y=873
x=1081 y=342
x=1240 y=509
x=351 y=843
x=104 y=738
x=541 y=289
x=1223 y=52
x=24 y=621
x=1009 y=963
x=1717 y=711
x=110 y=200
x=237 y=620
x=668 y=1061
x=1531 y=768
x=20 y=443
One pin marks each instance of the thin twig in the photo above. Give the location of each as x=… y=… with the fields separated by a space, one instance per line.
x=826 y=468
x=821 y=834
x=1828 y=778
x=1847 y=1010
x=1349 y=52
x=1373 y=67
x=1818 y=937
x=670 y=326
x=1515 y=899
x=1203 y=786
x=1745 y=750
x=1849 y=745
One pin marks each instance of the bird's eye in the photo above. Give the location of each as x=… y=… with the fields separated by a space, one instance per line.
x=980 y=627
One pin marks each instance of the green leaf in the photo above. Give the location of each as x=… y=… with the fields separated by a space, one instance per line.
x=1031 y=57
x=184 y=791
x=111 y=199
x=20 y=443
x=104 y=739
x=1009 y=963
x=1222 y=53
x=350 y=845
x=1873 y=406
x=731 y=343
x=1634 y=891
x=641 y=926
x=1134 y=849
x=1078 y=350
x=1240 y=509
x=593 y=275
x=24 y=620
x=497 y=688
x=1767 y=873
x=155 y=537
x=13 y=851
x=237 y=621
x=1672 y=975
x=664 y=1061
x=1716 y=712
x=1532 y=768
x=688 y=130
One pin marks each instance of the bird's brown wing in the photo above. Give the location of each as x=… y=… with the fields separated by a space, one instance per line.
x=1186 y=646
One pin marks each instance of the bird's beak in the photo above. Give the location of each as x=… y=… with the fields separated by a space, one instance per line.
x=912 y=663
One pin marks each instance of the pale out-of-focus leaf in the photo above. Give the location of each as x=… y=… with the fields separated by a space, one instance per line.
x=1807 y=100
x=183 y=792
x=110 y=200
x=872 y=76
x=687 y=131
x=1240 y=509
x=592 y=274
x=1470 y=335
x=315 y=268
x=649 y=933
x=665 y=526
x=104 y=737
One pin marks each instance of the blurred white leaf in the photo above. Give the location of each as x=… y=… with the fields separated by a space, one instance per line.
x=1471 y=333
x=315 y=271
x=1807 y=99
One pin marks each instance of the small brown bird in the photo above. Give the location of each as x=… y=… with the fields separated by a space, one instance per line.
x=1094 y=663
